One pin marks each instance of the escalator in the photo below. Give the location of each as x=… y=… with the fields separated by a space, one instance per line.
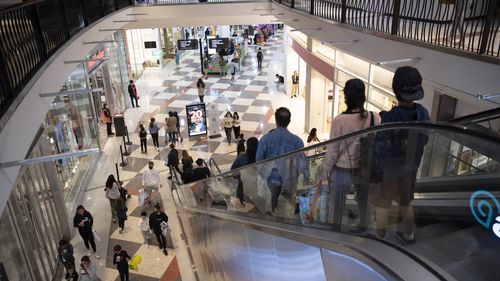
x=454 y=217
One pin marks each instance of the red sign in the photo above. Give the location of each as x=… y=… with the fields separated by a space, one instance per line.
x=95 y=60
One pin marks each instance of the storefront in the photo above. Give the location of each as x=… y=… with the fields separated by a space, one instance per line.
x=144 y=50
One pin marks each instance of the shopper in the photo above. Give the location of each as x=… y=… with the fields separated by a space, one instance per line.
x=121 y=214
x=342 y=159
x=173 y=159
x=151 y=181
x=65 y=251
x=399 y=152
x=88 y=270
x=178 y=126
x=232 y=67
x=274 y=183
x=83 y=220
x=71 y=274
x=177 y=56
x=171 y=127
x=201 y=171
x=187 y=162
x=295 y=84
x=280 y=80
x=227 y=123
x=155 y=220
x=260 y=57
x=201 y=89
x=222 y=65
x=244 y=159
x=145 y=229
x=312 y=138
x=143 y=138
x=153 y=130
x=121 y=258
x=240 y=148
x=112 y=190
x=236 y=125
x=132 y=92
x=107 y=118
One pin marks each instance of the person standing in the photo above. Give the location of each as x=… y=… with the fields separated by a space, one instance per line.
x=232 y=69
x=260 y=57
x=295 y=84
x=178 y=126
x=200 y=172
x=121 y=214
x=145 y=229
x=398 y=154
x=155 y=220
x=112 y=189
x=132 y=92
x=177 y=56
x=201 y=89
x=227 y=123
x=171 y=127
x=244 y=159
x=236 y=125
x=151 y=180
x=222 y=65
x=84 y=221
x=274 y=183
x=153 y=130
x=143 y=138
x=88 y=270
x=107 y=118
x=187 y=161
x=120 y=259
x=71 y=274
x=173 y=159
x=65 y=251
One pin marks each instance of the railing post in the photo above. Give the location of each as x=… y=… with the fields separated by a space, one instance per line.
x=487 y=26
x=395 y=17
x=39 y=31
x=344 y=11
x=312 y=8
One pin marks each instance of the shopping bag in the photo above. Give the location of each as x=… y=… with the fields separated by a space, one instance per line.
x=134 y=262
x=165 y=228
x=141 y=197
x=305 y=204
x=96 y=236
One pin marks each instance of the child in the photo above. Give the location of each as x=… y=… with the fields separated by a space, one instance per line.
x=274 y=183
x=145 y=229
x=120 y=259
x=241 y=145
x=121 y=213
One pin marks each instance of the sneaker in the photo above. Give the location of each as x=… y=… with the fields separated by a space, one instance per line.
x=159 y=246
x=165 y=252
x=114 y=220
x=120 y=231
x=97 y=256
x=89 y=254
x=401 y=236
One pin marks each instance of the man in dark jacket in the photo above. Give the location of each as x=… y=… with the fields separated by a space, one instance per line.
x=399 y=152
x=132 y=92
x=260 y=57
x=65 y=251
x=84 y=221
x=200 y=172
x=120 y=258
x=155 y=220
x=173 y=159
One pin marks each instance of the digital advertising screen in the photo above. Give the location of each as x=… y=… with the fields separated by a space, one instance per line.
x=218 y=43
x=183 y=45
x=196 y=119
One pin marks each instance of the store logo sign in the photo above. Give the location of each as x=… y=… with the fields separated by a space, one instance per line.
x=485 y=209
x=95 y=57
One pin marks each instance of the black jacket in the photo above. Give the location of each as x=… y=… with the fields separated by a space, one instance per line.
x=155 y=220
x=173 y=158
x=122 y=265
x=87 y=218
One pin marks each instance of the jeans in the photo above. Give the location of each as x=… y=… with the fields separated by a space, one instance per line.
x=108 y=128
x=112 y=203
x=228 y=134
x=161 y=240
x=342 y=179
x=155 y=139
x=171 y=137
x=239 y=191
x=275 y=193
x=132 y=98
x=144 y=145
x=236 y=132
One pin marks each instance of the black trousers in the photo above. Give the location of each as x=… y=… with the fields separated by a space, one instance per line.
x=275 y=193
x=144 y=145
x=108 y=128
x=228 y=134
x=132 y=98
x=201 y=98
x=236 y=132
x=239 y=192
x=259 y=64
x=155 y=140
x=121 y=223
x=88 y=238
x=161 y=240
x=123 y=274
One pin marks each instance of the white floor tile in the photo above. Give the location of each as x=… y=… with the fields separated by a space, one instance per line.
x=254 y=88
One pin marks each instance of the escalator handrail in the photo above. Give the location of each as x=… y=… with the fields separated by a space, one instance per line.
x=441 y=126
x=477 y=117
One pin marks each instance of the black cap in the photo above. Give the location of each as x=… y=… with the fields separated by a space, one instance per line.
x=407 y=84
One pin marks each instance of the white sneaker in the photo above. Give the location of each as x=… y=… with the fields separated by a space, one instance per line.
x=97 y=256
x=89 y=254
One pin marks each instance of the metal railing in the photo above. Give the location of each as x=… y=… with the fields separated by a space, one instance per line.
x=471 y=26
x=30 y=33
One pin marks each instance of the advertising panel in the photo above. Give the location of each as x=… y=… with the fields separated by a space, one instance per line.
x=183 y=45
x=196 y=119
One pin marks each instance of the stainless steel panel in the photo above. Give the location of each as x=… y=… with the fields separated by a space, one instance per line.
x=263 y=254
x=342 y=267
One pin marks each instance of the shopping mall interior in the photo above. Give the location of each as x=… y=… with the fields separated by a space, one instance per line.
x=70 y=117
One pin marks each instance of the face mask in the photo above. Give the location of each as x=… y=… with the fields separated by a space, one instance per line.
x=150 y=167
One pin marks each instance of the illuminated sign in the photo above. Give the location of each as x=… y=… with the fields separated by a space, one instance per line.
x=218 y=43
x=196 y=119
x=157 y=53
x=95 y=60
x=183 y=45
x=484 y=209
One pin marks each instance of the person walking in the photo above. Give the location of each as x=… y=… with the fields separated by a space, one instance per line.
x=65 y=253
x=232 y=67
x=143 y=138
x=153 y=130
x=177 y=56
x=244 y=159
x=236 y=125
x=121 y=214
x=398 y=154
x=227 y=123
x=171 y=127
x=342 y=159
x=120 y=259
x=173 y=159
x=132 y=92
x=260 y=57
x=145 y=229
x=84 y=221
x=107 y=118
x=88 y=270
x=151 y=180
x=112 y=189
x=295 y=84
x=274 y=183
x=222 y=65
x=178 y=126
x=155 y=220
x=201 y=89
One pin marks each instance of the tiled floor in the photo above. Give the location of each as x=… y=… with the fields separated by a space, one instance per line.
x=253 y=95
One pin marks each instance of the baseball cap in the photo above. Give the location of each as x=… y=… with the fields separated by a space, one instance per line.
x=407 y=84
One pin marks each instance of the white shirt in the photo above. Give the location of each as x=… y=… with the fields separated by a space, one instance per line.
x=92 y=273
x=151 y=177
x=144 y=223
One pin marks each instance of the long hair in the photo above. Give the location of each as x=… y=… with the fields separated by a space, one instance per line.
x=228 y=114
x=151 y=124
x=110 y=181
x=312 y=135
x=185 y=154
x=200 y=83
x=355 y=98
x=235 y=115
x=252 y=145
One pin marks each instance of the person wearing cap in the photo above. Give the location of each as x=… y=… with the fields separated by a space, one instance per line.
x=155 y=220
x=399 y=152
x=342 y=159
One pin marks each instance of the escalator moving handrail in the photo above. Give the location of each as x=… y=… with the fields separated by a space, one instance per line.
x=477 y=117
x=442 y=126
